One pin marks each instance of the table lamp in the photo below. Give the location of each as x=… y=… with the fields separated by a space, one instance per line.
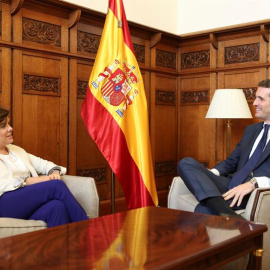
x=228 y=104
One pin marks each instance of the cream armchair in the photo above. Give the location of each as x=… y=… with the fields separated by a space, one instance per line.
x=83 y=189
x=257 y=210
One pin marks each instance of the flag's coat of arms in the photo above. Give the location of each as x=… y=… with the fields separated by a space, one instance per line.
x=118 y=85
x=115 y=111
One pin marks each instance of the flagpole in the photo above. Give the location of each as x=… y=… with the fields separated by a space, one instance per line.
x=113 y=193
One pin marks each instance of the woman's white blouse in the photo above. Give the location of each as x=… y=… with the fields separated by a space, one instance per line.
x=16 y=166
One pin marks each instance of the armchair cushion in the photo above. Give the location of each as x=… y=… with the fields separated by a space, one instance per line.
x=82 y=188
x=13 y=226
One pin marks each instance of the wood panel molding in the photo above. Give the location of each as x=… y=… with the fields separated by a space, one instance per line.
x=87 y=42
x=213 y=41
x=166 y=59
x=41 y=85
x=165 y=97
x=15 y=6
x=265 y=32
x=195 y=97
x=81 y=89
x=242 y=53
x=195 y=59
x=250 y=93
x=0 y=23
x=165 y=168
x=41 y=32
x=74 y=17
x=139 y=53
x=155 y=39
x=99 y=174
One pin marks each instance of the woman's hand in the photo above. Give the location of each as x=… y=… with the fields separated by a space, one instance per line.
x=43 y=178
x=37 y=179
x=55 y=175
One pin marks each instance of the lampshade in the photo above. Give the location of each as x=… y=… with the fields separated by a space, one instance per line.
x=229 y=103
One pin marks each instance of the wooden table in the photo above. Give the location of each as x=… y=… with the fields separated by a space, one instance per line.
x=146 y=238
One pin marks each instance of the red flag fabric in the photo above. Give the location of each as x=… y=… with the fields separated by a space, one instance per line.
x=115 y=111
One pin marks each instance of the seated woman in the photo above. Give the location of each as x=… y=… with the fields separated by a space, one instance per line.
x=26 y=195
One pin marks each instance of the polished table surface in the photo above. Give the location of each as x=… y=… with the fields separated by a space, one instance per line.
x=145 y=238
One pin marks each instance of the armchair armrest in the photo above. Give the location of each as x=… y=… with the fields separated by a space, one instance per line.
x=85 y=192
x=257 y=206
x=180 y=197
x=257 y=210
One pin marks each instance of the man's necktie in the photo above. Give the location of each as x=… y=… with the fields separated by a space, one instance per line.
x=244 y=172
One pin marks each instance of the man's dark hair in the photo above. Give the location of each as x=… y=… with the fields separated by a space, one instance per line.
x=3 y=114
x=265 y=83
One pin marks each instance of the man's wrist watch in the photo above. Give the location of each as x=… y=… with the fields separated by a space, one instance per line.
x=254 y=182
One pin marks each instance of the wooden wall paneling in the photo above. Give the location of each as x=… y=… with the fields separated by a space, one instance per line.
x=17 y=106
x=196 y=131
x=197 y=134
x=166 y=59
x=240 y=52
x=17 y=80
x=178 y=106
x=5 y=22
x=40 y=86
x=45 y=88
x=152 y=102
x=88 y=39
x=5 y=78
x=5 y=58
x=63 y=113
x=213 y=147
x=1 y=22
x=73 y=90
x=2 y=95
x=165 y=130
x=163 y=100
x=268 y=50
x=263 y=49
x=43 y=30
x=194 y=57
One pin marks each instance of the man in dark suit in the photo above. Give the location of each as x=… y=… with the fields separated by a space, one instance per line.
x=226 y=187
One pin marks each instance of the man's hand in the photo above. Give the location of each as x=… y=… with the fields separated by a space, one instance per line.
x=238 y=193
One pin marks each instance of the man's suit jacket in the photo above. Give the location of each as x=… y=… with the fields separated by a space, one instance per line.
x=35 y=165
x=241 y=153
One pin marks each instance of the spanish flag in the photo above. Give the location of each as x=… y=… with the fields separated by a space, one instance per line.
x=115 y=111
